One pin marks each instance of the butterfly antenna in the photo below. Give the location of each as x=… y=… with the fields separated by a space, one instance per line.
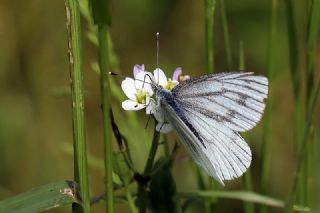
x=158 y=37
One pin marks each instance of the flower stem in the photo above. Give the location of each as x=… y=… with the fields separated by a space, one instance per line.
x=142 y=187
x=226 y=34
x=265 y=150
x=303 y=148
x=105 y=102
x=76 y=75
x=296 y=81
x=209 y=25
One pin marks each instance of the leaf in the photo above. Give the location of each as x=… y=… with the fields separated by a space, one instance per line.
x=120 y=168
x=237 y=195
x=162 y=188
x=45 y=197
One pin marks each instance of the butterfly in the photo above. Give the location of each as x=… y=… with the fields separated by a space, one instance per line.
x=209 y=112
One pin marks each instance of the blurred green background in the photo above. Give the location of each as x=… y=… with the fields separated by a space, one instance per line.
x=35 y=108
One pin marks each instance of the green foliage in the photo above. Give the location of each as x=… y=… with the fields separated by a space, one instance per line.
x=162 y=188
x=280 y=41
x=46 y=197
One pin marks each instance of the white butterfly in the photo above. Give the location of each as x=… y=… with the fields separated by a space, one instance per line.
x=208 y=112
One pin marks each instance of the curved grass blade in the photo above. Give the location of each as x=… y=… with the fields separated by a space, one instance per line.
x=236 y=195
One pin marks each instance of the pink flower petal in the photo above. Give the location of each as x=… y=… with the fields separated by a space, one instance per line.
x=176 y=74
x=138 y=68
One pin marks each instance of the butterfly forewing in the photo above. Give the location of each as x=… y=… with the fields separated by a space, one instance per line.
x=234 y=99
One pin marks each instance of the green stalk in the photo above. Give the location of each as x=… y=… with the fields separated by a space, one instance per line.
x=130 y=200
x=241 y=56
x=226 y=34
x=265 y=150
x=247 y=181
x=101 y=17
x=247 y=178
x=303 y=150
x=297 y=90
x=294 y=65
x=142 y=186
x=78 y=120
x=209 y=25
x=313 y=31
x=105 y=100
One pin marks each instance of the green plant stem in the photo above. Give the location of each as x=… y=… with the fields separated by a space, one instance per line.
x=142 y=186
x=241 y=56
x=302 y=152
x=299 y=120
x=313 y=32
x=130 y=200
x=226 y=34
x=294 y=65
x=247 y=178
x=265 y=150
x=76 y=75
x=105 y=101
x=209 y=25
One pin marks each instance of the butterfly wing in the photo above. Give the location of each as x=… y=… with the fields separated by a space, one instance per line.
x=234 y=99
x=220 y=151
x=208 y=113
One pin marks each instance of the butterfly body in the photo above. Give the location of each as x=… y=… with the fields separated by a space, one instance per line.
x=207 y=113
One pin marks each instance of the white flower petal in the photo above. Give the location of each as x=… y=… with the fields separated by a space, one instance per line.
x=159 y=77
x=128 y=88
x=175 y=82
x=163 y=127
x=143 y=82
x=132 y=105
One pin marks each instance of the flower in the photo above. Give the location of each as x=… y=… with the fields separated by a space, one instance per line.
x=177 y=75
x=138 y=68
x=137 y=90
x=161 y=79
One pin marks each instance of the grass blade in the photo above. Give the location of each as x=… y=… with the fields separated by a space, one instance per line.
x=102 y=18
x=76 y=75
x=313 y=32
x=209 y=25
x=236 y=195
x=45 y=197
x=265 y=150
x=226 y=34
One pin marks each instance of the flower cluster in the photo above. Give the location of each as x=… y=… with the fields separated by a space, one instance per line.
x=140 y=94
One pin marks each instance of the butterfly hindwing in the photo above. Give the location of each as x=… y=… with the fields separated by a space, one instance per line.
x=220 y=151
